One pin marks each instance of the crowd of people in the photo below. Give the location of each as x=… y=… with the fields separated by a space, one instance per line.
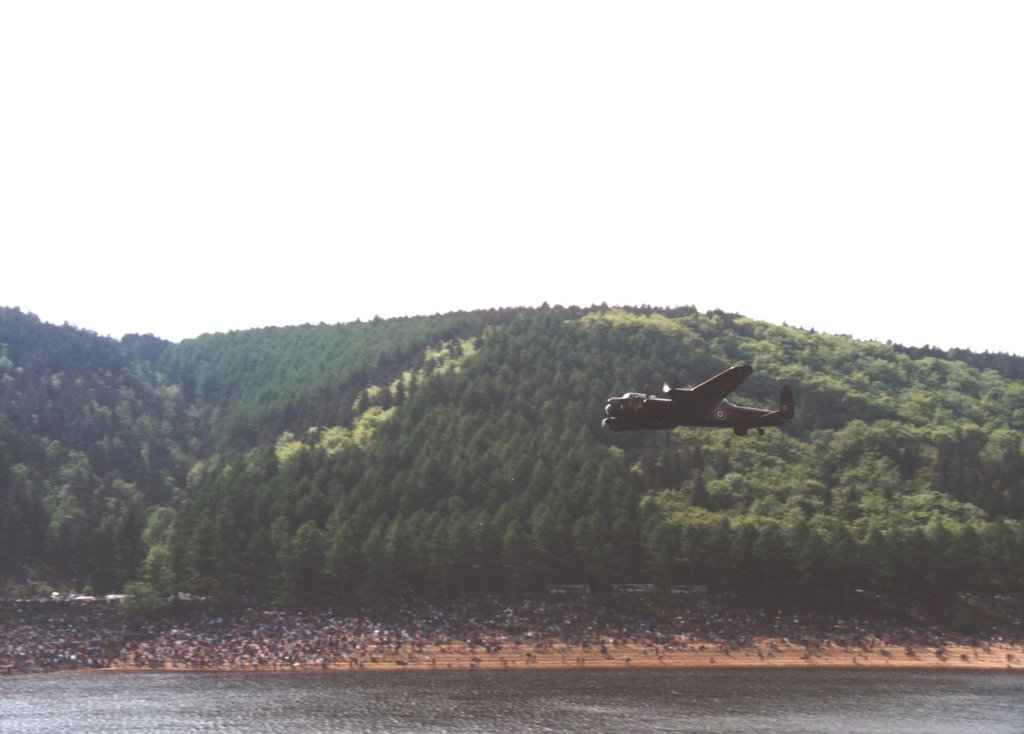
x=44 y=635
x=52 y=635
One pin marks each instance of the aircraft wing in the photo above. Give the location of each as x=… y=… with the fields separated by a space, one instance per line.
x=712 y=391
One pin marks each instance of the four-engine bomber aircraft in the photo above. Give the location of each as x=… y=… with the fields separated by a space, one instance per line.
x=704 y=405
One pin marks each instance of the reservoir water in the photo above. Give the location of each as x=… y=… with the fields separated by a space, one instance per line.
x=791 y=701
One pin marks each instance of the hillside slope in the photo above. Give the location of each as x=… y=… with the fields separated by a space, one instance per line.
x=91 y=438
x=484 y=468
x=464 y=452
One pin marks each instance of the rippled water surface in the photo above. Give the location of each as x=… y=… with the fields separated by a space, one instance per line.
x=789 y=701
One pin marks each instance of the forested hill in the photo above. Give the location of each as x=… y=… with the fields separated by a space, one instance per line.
x=91 y=438
x=464 y=453
x=253 y=385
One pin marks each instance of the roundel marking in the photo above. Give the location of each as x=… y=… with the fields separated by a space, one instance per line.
x=720 y=414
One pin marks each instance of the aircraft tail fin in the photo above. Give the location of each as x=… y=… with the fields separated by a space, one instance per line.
x=787 y=405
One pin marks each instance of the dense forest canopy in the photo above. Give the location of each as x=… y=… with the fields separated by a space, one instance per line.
x=463 y=452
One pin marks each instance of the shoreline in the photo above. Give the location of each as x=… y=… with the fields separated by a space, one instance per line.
x=998 y=657
x=484 y=633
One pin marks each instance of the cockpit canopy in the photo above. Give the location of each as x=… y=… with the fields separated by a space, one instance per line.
x=631 y=401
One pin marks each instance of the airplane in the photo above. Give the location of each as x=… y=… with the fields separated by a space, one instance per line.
x=704 y=405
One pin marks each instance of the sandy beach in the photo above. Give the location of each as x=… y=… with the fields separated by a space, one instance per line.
x=765 y=654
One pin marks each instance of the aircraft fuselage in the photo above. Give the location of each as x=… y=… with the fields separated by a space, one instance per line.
x=634 y=411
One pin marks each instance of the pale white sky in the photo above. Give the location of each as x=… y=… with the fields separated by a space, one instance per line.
x=186 y=167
